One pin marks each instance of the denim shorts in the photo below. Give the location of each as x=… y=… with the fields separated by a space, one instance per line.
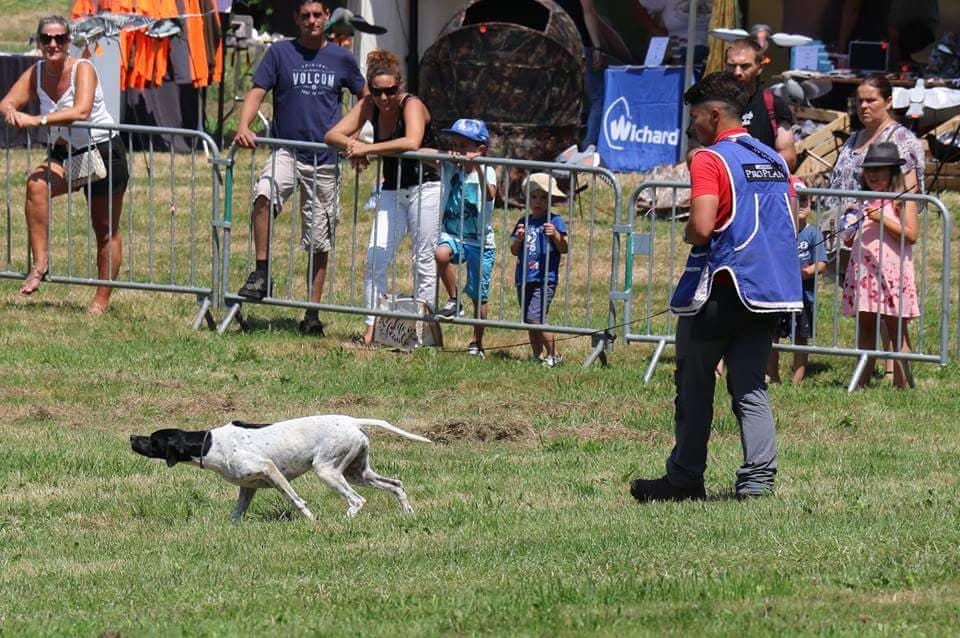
x=537 y=301
x=803 y=320
x=479 y=263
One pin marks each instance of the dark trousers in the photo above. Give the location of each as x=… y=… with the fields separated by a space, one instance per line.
x=724 y=329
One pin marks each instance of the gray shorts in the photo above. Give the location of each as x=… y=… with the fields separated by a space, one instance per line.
x=319 y=206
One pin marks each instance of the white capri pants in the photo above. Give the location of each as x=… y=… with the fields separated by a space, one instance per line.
x=414 y=210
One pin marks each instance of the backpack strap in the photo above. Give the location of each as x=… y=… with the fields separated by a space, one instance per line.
x=771 y=112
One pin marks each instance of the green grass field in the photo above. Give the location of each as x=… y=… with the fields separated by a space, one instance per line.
x=523 y=522
x=524 y=525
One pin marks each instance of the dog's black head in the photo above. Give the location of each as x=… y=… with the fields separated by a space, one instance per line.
x=171 y=445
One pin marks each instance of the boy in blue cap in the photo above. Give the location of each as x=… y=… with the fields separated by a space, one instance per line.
x=466 y=234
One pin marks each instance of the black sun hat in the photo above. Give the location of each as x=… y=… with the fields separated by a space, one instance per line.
x=883 y=154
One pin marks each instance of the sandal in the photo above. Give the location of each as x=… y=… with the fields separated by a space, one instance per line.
x=31 y=283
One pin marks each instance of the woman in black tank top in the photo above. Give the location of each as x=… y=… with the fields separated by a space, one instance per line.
x=409 y=200
x=409 y=169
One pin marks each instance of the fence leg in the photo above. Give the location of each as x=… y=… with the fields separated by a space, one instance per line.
x=654 y=361
x=234 y=311
x=600 y=344
x=204 y=313
x=861 y=366
x=908 y=372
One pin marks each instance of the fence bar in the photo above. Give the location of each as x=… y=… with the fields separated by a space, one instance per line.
x=659 y=273
x=571 y=313
x=70 y=264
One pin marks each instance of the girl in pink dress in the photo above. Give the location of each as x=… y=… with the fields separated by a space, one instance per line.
x=880 y=279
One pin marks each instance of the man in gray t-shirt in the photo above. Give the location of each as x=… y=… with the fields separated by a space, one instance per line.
x=307 y=77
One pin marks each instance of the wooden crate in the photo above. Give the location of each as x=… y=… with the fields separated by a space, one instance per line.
x=948 y=177
x=818 y=153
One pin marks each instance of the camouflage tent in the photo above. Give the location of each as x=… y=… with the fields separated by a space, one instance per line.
x=518 y=65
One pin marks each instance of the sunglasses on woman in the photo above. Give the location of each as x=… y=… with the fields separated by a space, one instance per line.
x=47 y=38
x=390 y=90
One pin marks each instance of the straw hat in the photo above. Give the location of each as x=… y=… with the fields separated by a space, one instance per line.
x=543 y=182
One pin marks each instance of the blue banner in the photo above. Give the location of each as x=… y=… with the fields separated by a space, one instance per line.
x=641 y=118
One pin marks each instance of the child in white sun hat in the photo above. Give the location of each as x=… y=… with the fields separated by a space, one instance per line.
x=538 y=240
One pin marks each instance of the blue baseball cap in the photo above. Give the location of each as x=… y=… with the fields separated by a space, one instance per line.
x=474 y=130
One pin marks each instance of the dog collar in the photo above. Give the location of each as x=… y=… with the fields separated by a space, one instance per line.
x=203 y=444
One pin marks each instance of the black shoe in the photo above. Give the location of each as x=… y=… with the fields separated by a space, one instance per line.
x=662 y=489
x=256 y=286
x=311 y=325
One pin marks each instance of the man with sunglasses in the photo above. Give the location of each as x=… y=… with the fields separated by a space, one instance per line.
x=307 y=77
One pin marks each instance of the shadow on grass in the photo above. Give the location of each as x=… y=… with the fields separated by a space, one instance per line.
x=272 y=509
x=276 y=324
x=817 y=368
x=34 y=304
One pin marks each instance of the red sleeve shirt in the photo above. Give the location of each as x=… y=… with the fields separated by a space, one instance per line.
x=709 y=176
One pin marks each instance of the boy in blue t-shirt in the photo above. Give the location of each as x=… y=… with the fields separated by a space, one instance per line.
x=538 y=240
x=466 y=234
x=813 y=261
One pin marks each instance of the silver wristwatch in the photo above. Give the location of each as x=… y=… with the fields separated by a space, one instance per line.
x=43 y=120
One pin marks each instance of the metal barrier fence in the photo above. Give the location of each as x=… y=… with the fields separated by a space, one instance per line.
x=585 y=294
x=165 y=242
x=657 y=256
x=167 y=220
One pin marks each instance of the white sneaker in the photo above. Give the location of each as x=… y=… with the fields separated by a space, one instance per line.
x=475 y=350
x=373 y=201
x=451 y=309
x=552 y=361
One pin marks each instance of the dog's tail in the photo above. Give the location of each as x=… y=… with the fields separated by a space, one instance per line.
x=393 y=428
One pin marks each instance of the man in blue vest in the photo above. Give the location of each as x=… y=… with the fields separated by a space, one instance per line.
x=741 y=272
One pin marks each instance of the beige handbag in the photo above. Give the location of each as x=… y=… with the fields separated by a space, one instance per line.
x=86 y=166
x=406 y=334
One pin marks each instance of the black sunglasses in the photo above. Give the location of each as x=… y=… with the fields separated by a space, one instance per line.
x=390 y=90
x=47 y=38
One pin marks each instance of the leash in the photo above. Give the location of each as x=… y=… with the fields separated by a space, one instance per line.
x=608 y=334
x=828 y=236
x=936 y=176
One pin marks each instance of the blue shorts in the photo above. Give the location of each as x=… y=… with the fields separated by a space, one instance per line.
x=472 y=255
x=802 y=319
x=538 y=298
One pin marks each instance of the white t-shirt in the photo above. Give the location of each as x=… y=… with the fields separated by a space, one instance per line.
x=674 y=14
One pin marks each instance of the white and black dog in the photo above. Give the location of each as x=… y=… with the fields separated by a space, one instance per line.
x=258 y=455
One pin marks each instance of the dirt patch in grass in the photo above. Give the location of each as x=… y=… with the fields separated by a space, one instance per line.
x=486 y=430
x=351 y=401
x=480 y=431
x=606 y=433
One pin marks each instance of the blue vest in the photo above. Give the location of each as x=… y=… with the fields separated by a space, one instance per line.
x=757 y=245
